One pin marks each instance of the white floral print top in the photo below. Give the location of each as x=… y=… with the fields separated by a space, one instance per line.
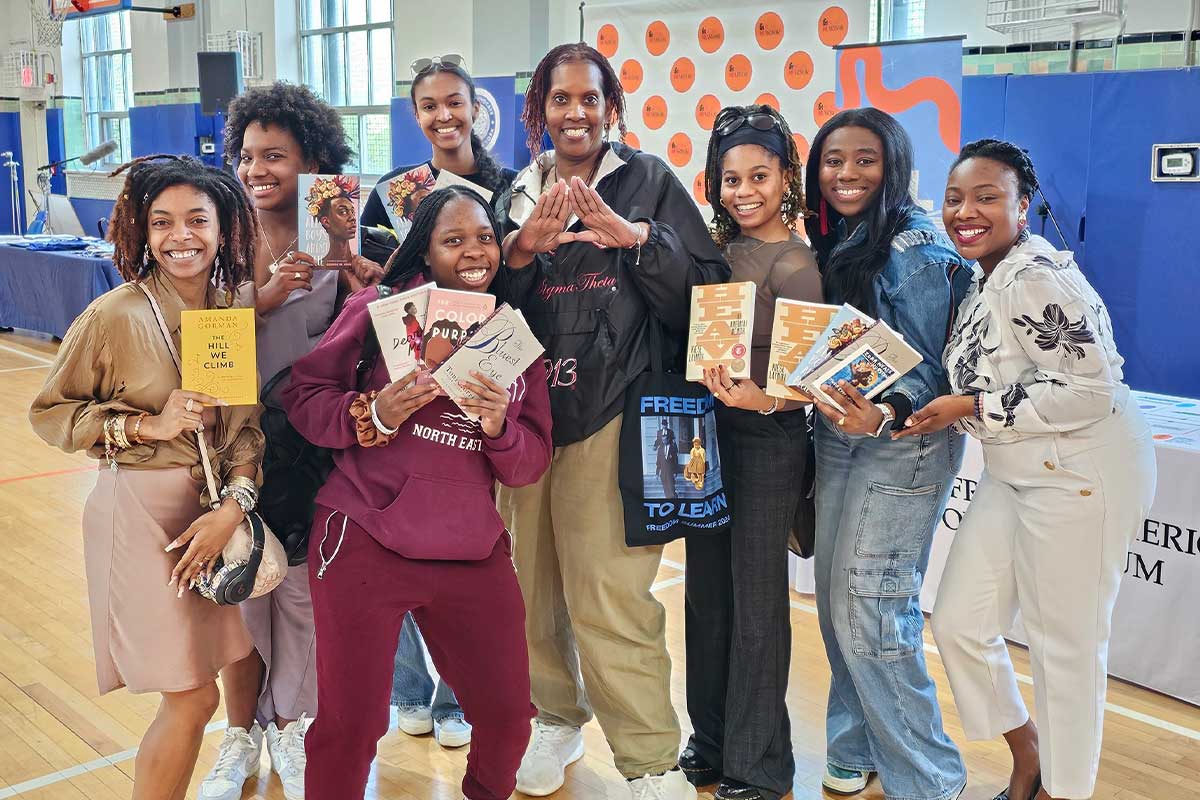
x=1036 y=341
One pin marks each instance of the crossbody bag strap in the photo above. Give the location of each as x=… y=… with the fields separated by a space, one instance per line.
x=213 y=498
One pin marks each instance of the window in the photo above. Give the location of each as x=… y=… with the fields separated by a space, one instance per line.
x=107 y=81
x=346 y=57
x=901 y=19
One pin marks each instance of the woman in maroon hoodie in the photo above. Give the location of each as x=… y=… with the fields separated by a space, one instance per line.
x=407 y=521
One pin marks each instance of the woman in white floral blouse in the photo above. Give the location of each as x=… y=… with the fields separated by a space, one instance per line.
x=1069 y=474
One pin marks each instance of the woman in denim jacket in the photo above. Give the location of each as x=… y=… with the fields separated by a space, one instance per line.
x=878 y=500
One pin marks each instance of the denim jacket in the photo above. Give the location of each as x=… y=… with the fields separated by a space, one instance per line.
x=917 y=294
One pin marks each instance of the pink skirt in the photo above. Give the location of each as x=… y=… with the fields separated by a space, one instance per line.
x=145 y=637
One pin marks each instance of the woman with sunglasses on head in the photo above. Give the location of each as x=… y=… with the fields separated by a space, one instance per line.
x=407 y=521
x=604 y=241
x=739 y=642
x=1069 y=473
x=184 y=233
x=273 y=134
x=878 y=501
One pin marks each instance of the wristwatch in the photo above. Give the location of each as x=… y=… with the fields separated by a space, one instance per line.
x=889 y=417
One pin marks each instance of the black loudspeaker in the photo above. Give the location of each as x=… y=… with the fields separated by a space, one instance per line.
x=220 y=80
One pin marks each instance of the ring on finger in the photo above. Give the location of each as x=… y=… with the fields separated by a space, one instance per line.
x=842 y=421
x=188 y=405
x=296 y=275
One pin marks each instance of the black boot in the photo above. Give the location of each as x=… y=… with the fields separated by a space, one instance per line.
x=736 y=790
x=1037 y=785
x=698 y=771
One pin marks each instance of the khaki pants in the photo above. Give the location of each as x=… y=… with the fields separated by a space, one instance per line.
x=596 y=634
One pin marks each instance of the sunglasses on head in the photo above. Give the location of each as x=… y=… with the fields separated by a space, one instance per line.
x=730 y=121
x=422 y=64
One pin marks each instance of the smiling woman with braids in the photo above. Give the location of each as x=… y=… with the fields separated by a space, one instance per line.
x=184 y=232
x=1069 y=473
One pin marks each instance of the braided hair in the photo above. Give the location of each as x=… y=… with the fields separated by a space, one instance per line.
x=1007 y=154
x=147 y=178
x=723 y=227
x=490 y=172
x=534 y=114
x=313 y=123
x=408 y=260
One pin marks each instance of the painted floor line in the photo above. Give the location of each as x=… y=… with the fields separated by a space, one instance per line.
x=50 y=474
x=23 y=369
x=27 y=354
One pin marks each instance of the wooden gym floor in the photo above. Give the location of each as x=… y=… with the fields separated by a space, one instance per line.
x=60 y=741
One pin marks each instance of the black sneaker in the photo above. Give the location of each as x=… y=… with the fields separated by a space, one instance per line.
x=696 y=769
x=736 y=790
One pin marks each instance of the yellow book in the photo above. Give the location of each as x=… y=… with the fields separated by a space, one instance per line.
x=795 y=330
x=219 y=354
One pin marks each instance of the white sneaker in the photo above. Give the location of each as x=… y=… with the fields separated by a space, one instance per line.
x=414 y=720
x=286 y=748
x=237 y=759
x=551 y=749
x=452 y=732
x=672 y=785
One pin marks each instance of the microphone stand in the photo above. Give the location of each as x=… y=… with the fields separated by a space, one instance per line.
x=582 y=3
x=14 y=192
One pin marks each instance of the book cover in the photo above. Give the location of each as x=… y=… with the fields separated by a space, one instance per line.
x=846 y=325
x=329 y=218
x=874 y=361
x=795 y=330
x=721 y=325
x=501 y=348
x=449 y=317
x=399 y=323
x=447 y=178
x=219 y=355
x=402 y=194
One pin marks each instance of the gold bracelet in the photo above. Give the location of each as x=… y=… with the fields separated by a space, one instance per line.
x=119 y=431
x=244 y=482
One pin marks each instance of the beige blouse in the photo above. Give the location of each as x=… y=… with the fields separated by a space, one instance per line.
x=114 y=359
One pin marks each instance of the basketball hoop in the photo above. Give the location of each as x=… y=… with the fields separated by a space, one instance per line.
x=48 y=17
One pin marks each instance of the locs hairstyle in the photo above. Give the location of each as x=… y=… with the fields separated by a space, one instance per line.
x=147 y=178
x=486 y=166
x=1007 y=154
x=723 y=227
x=534 y=115
x=848 y=277
x=315 y=124
x=408 y=260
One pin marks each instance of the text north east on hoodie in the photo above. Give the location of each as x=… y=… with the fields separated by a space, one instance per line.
x=430 y=492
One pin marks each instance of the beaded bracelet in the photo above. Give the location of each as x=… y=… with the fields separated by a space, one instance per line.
x=137 y=427
x=979 y=405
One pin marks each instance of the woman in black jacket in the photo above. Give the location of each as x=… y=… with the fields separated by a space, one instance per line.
x=601 y=237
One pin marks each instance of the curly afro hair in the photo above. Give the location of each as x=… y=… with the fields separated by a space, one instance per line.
x=315 y=124
x=1008 y=154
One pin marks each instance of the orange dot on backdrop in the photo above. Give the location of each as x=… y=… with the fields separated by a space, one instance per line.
x=683 y=74
x=711 y=34
x=833 y=26
x=654 y=112
x=631 y=76
x=802 y=146
x=658 y=38
x=679 y=150
x=767 y=99
x=707 y=110
x=798 y=71
x=607 y=40
x=768 y=31
x=698 y=189
x=632 y=140
x=737 y=72
x=824 y=108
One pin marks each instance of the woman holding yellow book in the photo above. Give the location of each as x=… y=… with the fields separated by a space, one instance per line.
x=184 y=233
x=739 y=643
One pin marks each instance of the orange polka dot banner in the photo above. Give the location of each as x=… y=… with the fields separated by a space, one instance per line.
x=681 y=61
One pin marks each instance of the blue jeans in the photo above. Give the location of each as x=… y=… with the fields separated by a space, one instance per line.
x=878 y=504
x=412 y=685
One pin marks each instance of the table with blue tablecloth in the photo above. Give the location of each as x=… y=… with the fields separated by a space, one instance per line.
x=46 y=291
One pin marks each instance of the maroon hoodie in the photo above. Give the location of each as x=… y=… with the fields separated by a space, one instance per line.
x=430 y=492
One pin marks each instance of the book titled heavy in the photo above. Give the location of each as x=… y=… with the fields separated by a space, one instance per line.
x=797 y=327
x=871 y=363
x=720 y=328
x=328 y=218
x=399 y=323
x=449 y=318
x=219 y=354
x=501 y=348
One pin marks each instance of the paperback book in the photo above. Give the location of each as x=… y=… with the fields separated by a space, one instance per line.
x=329 y=218
x=449 y=317
x=402 y=194
x=219 y=355
x=797 y=327
x=872 y=362
x=501 y=348
x=720 y=329
x=846 y=325
x=399 y=323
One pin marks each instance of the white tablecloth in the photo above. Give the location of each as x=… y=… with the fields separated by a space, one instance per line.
x=1155 y=642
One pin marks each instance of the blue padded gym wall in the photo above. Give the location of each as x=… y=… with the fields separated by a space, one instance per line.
x=10 y=139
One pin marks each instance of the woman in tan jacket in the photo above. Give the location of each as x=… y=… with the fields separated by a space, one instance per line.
x=185 y=232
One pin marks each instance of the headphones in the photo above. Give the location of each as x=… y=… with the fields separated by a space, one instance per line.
x=232 y=583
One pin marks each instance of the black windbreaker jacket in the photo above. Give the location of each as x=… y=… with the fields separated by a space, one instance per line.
x=589 y=307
